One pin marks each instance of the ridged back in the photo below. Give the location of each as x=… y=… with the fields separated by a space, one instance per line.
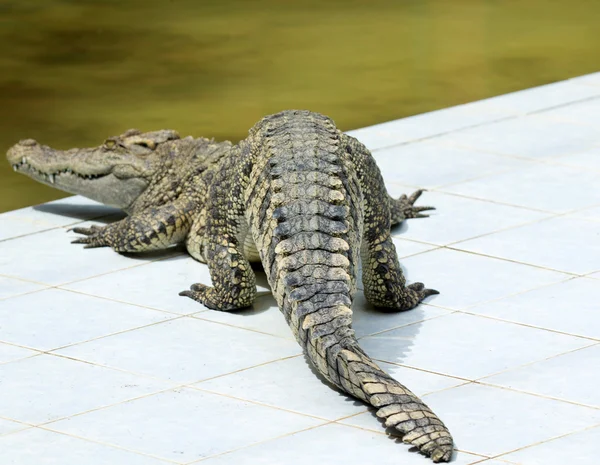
x=302 y=224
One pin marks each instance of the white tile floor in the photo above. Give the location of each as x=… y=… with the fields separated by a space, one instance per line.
x=102 y=363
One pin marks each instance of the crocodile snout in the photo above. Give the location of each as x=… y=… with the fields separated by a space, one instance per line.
x=17 y=153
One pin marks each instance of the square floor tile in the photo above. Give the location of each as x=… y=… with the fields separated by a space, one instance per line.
x=568 y=377
x=583 y=112
x=570 y=307
x=528 y=136
x=552 y=188
x=316 y=446
x=467 y=346
x=428 y=164
x=53 y=318
x=41 y=447
x=45 y=388
x=563 y=243
x=465 y=279
x=11 y=287
x=491 y=421
x=8 y=352
x=429 y=124
x=578 y=448
x=49 y=257
x=50 y=215
x=367 y=319
x=156 y=284
x=184 y=425
x=542 y=97
x=458 y=218
x=292 y=384
x=184 y=350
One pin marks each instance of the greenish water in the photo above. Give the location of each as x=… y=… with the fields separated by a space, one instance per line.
x=73 y=72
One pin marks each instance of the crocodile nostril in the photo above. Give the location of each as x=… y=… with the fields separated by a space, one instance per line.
x=28 y=142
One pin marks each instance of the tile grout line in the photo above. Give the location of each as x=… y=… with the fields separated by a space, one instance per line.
x=259 y=442
x=109 y=444
x=541 y=161
x=535 y=394
x=94 y=218
x=482 y=379
x=527 y=325
x=541 y=267
x=547 y=440
x=513 y=116
x=397 y=437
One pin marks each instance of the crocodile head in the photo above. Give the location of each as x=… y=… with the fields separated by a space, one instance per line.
x=115 y=173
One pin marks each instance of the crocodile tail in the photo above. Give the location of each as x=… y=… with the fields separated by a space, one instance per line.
x=301 y=225
x=311 y=274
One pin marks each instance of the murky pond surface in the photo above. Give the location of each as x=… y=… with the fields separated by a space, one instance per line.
x=73 y=72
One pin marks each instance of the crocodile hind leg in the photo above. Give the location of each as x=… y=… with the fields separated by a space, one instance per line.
x=382 y=277
x=150 y=229
x=234 y=282
x=217 y=239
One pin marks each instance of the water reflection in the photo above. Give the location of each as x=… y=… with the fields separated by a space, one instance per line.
x=75 y=72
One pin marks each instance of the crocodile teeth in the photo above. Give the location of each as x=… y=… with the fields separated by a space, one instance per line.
x=51 y=178
x=15 y=168
x=23 y=161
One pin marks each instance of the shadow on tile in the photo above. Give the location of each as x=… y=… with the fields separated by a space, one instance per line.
x=79 y=211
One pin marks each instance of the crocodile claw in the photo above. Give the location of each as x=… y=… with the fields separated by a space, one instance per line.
x=94 y=236
x=422 y=292
x=201 y=293
x=408 y=207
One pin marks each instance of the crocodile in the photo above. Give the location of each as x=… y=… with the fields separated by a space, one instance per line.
x=309 y=203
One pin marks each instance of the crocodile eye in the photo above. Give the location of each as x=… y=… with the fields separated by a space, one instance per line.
x=148 y=144
x=110 y=144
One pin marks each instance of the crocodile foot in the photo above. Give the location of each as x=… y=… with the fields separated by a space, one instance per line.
x=407 y=205
x=420 y=292
x=209 y=297
x=401 y=299
x=96 y=236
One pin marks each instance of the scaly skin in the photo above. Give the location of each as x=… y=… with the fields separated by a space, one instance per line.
x=298 y=196
x=307 y=200
x=156 y=177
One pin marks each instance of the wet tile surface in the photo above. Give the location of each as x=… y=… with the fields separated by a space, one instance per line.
x=136 y=374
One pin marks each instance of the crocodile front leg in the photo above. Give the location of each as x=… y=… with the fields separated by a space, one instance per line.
x=150 y=229
x=234 y=282
x=217 y=238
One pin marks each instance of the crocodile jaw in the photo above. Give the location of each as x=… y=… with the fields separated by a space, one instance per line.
x=75 y=172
